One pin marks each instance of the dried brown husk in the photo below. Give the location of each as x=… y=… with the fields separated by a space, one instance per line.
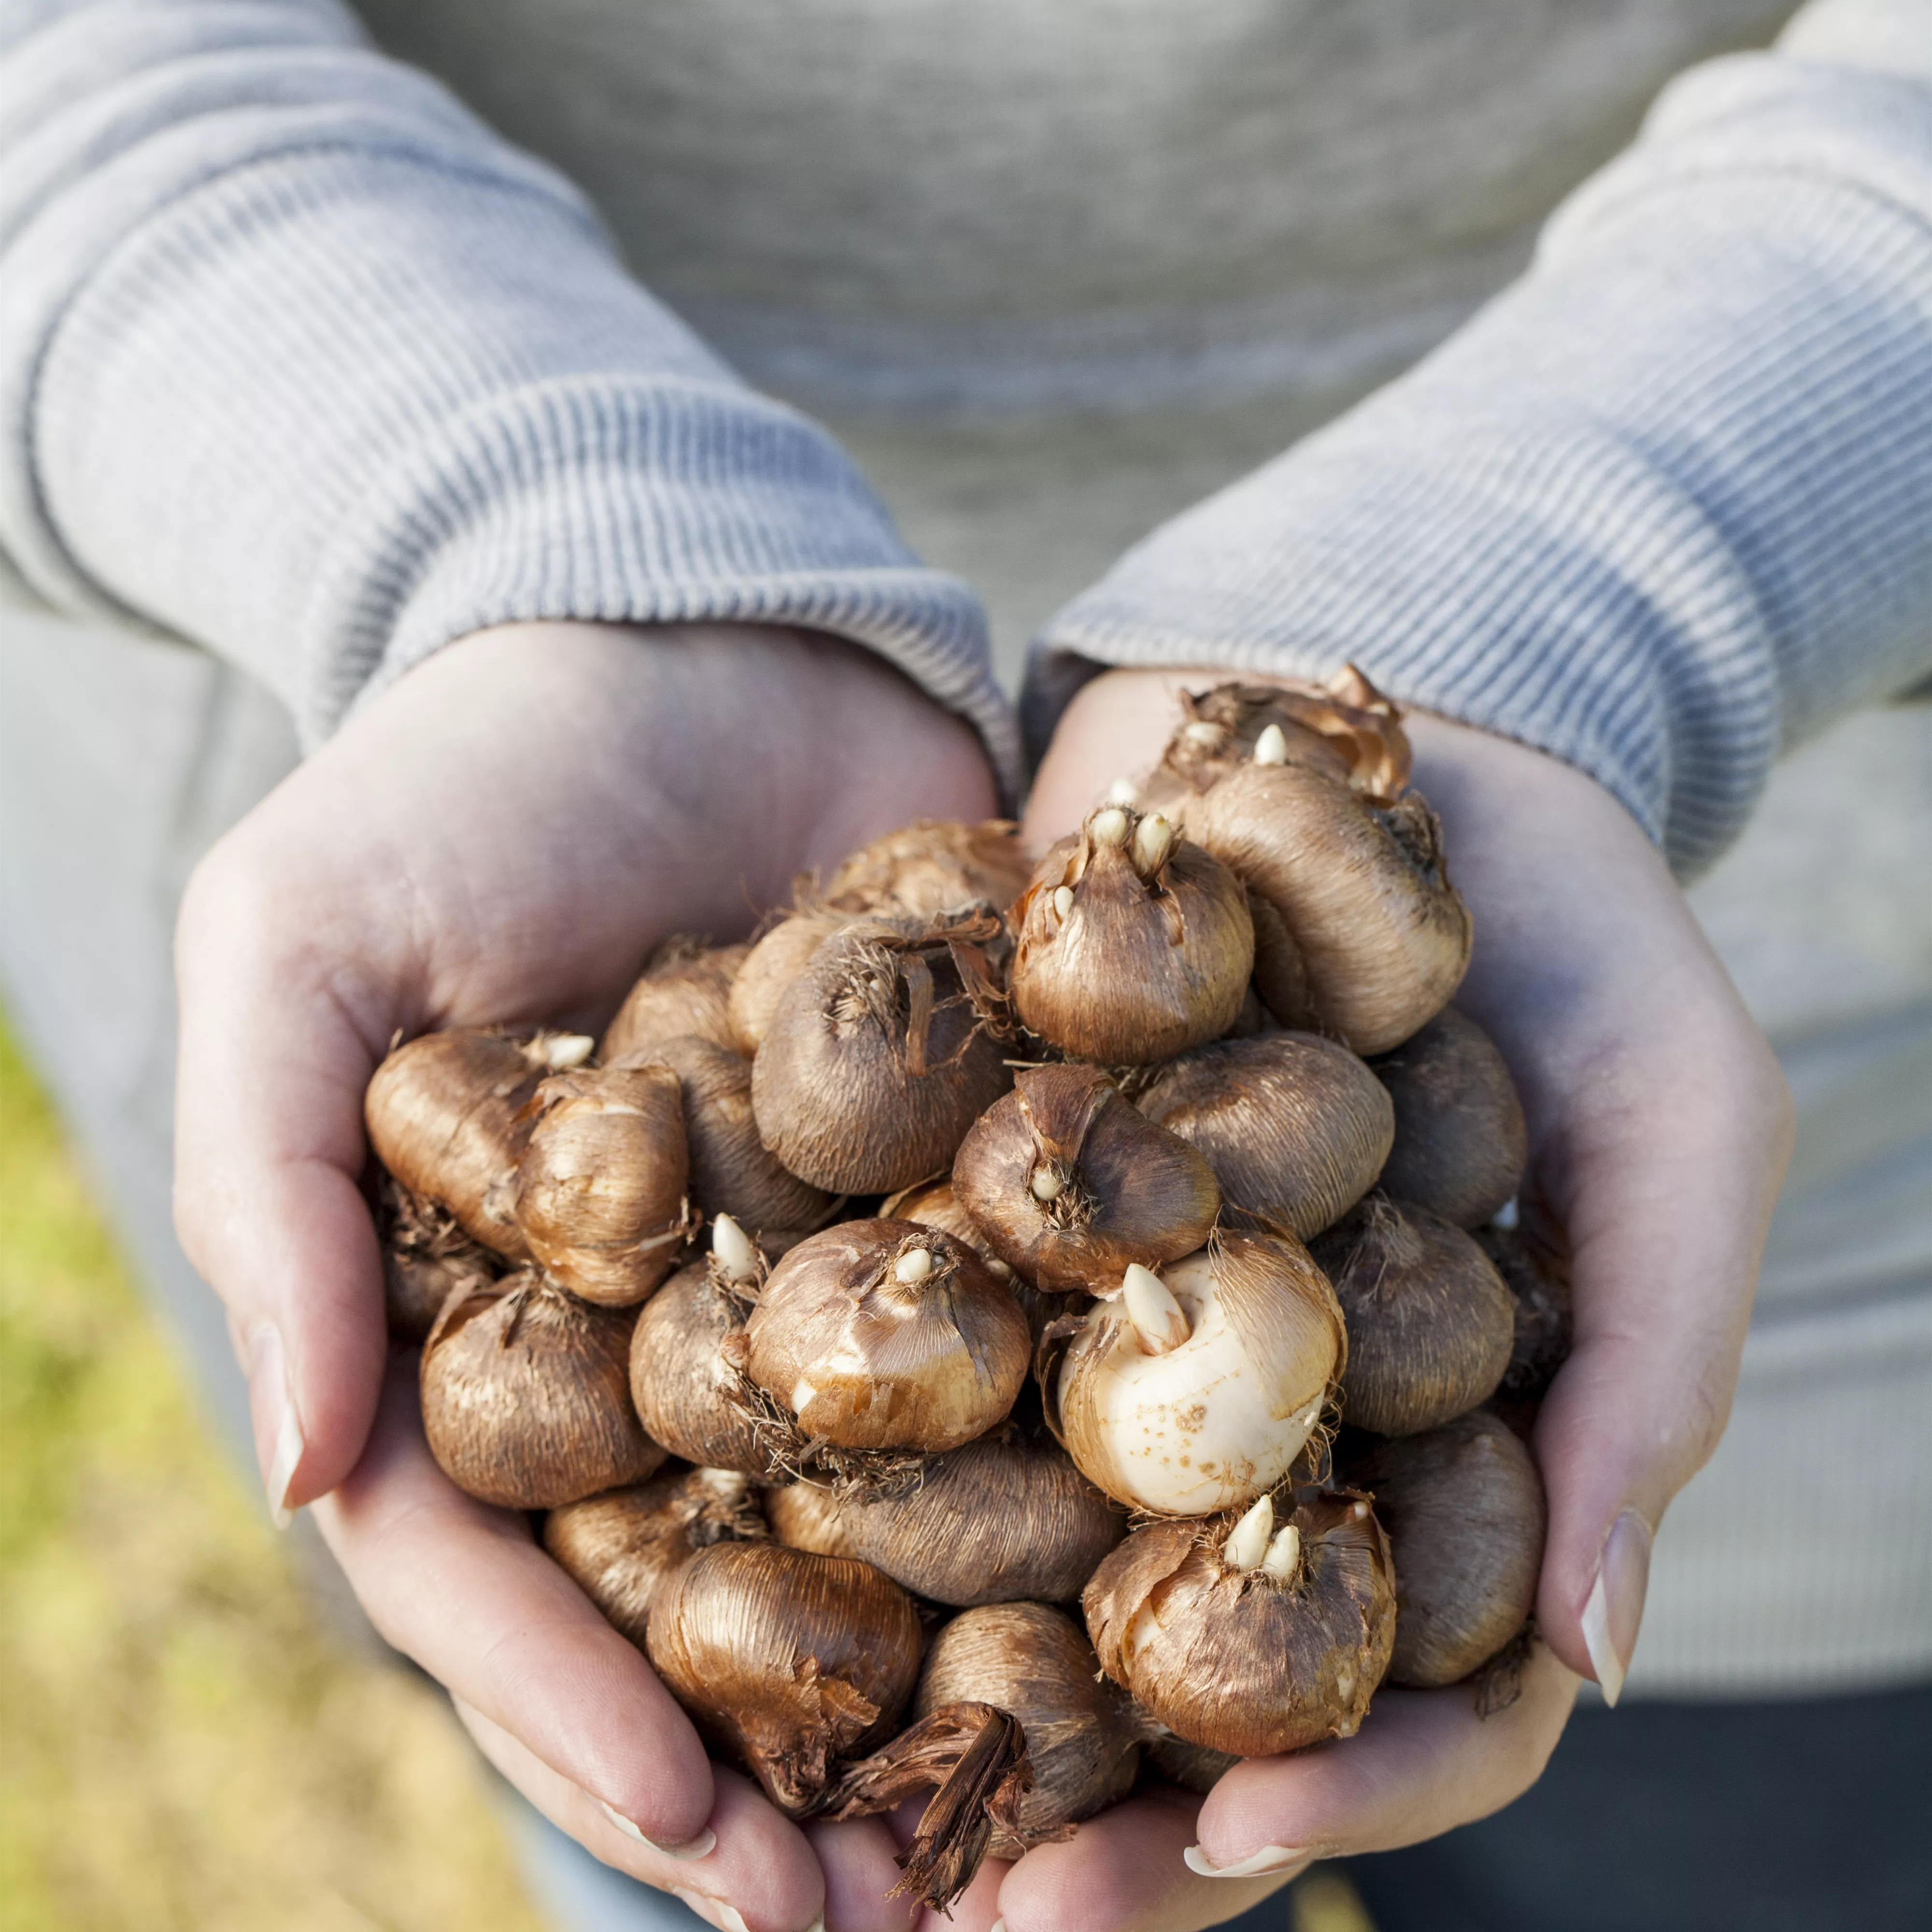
x=1463 y=1507
x=683 y=1389
x=426 y=1258
x=1220 y=1419
x=601 y=1187
x=778 y=958
x=621 y=1547
x=1461 y=1142
x=1430 y=1323
x=1003 y=1519
x=1123 y=1189
x=1082 y=1733
x=686 y=989
x=1295 y=1127
x=524 y=1396
x=807 y=1516
x=1345 y=727
x=882 y=1054
x=1139 y=966
x=1235 y=1660
x=790 y=1662
x=932 y=866
x=731 y=1171
x=444 y=1115
x=866 y=1359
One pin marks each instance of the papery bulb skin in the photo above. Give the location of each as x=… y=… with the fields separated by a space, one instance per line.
x=1250 y=1661
x=684 y=1390
x=426 y=1258
x=936 y=1204
x=1070 y=1183
x=732 y=1172
x=1464 y=1509
x=601 y=1186
x=773 y=962
x=880 y=1335
x=933 y=865
x=1193 y=1767
x=1002 y=1519
x=1538 y=1280
x=805 y=1516
x=1132 y=944
x=1431 y=1324
x=1345 y=729
x=619 y=1548
x=789 y=1661
x=1212 y=1421
x=1295 y=1127
x=685 y=989
x=525 y=1400
x=445 y=1113
x=1280 y=984
x=1461 y=1142
x=1081 y=1731
x=882 y=1054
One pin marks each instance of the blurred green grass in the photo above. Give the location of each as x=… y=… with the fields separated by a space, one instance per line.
x=183 y=1747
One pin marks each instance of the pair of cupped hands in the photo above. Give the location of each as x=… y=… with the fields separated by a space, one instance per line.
x=506 y=832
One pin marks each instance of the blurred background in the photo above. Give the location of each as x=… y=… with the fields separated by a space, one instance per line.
x=188 y=1742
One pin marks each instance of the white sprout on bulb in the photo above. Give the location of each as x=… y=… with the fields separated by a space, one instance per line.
x=562 y=1052
x=1271 y=747
x=1160 y=1322
x=1123 y=791
x=1063 y=900
x=1201 y=732
x=1046 y=1185
x=913 y=1266
x=733 y=1246
x=1153 y=841
x=1247 y=1544
x=1284 y=1555
x=1110 y=827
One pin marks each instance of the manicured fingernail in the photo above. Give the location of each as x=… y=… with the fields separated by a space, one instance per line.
x=1269 y=1858
x=278 y=1439
x=713 y=1911
x=1614 y=1606
x=692 y=1849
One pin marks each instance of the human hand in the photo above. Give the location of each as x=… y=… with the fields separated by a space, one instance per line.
x=503 y=836
x=1659 y=1126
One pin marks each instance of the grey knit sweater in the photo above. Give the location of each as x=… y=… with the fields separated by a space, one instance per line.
x=302 y=361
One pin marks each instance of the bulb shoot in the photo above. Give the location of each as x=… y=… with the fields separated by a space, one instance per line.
x=1284 y=1553
x=733 y=1246
x=1249 y=1546
x=1160 y=1323
x=1271 y=747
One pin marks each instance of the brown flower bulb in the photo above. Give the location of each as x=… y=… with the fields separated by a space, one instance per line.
x=886 y=1335
x=1193 y=1767
x=772 y=964
x=524 y=1399
x=1464 y=1509
x=444 y=1115
x=1133 y=944
x=1004 y=1518
x=1539 y=1284
x=601 y=1187
x=1070 y=1183
x=1082 y=1733
x=1461 y=1144
x=426 y=1258
x=1280 y=984
x=1197 y=1388
x=1247 y=1635
x=686 y=989
x=934 y=865
x=790 y=1662
x=805 y=1515
x=934 y=1204
x=1295 y=1127
x=619 y=1548
x=685 y=1391
x=881 y=1054
x=731 y=1171
x=1430 y=1322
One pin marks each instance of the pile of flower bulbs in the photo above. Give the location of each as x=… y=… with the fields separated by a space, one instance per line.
x=1016 y=1328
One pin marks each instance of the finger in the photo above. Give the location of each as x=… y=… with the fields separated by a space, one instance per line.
x=1124 y=1871
x=462 y=1589
x=856 y=1859
x=761 y=1877
x=268 y=1150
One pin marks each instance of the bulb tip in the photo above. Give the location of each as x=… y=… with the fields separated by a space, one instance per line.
x=1123 y=791
x=1110 y=827
x=1158 y=1321
x=1063 y=901
x=1283 y=1558
x=1046 y=1185
x=1271 y=747
x=913 y=1266
x=1247 y=1543
x=561 y=1052
x=733 y=1246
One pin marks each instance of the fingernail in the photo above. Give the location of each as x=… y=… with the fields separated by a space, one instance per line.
x=691 y=1849
x=713 y=1911
x=1269 y=1858
x=277 y=1429
x=1614 y=1606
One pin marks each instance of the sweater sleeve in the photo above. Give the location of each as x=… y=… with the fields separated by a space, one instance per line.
x=1663 y=508
x=302 y=363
